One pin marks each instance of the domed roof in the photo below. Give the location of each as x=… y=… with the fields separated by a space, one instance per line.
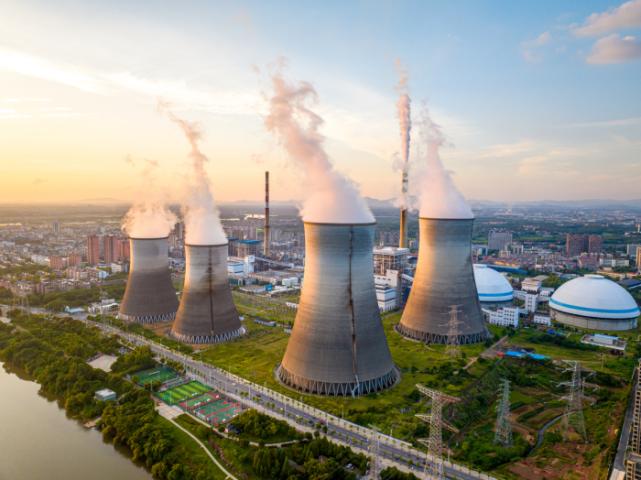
x=491 y=285
x=594 y=296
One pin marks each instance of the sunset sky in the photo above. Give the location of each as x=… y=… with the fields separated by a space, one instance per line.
x=538 y=100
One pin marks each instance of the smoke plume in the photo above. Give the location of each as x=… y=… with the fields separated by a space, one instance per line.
x=438 y=196
x=149 y=217
x=403 y=109
x=202 y=219
x=331 y=197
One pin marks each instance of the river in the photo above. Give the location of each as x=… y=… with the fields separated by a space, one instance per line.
x=39 y=442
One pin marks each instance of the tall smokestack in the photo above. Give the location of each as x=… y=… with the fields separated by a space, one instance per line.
x=267 y=232
x=337 y=345
x=207 y=313
x=403 y=108
x=444 y=277
x=150 y=296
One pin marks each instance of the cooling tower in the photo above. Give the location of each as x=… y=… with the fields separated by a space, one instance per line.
x=337 y=345
x=207 y=313
x=150 y=296
x=444 y=279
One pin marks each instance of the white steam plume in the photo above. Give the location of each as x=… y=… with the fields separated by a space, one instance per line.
x=403 y=109
x=202 y=220
x=148 y=217
x=331 y=198
x=438 y=196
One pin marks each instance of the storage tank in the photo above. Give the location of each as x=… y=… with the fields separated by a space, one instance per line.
x=337 y=345
x=444 y=279
x=149 y=296
x=207 y=313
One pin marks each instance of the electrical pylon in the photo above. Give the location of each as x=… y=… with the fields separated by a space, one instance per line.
x=453 y=348
x=434 y=444
x=503 y=429
x=374 y=447
x=574 y=408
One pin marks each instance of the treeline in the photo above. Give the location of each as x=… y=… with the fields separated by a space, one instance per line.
x=318 y=459
x=77 y=297
x=252 y=425
x=54 y=353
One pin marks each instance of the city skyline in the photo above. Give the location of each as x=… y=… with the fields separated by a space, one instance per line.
x=537 y=102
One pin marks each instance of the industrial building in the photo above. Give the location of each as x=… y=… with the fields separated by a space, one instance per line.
x=337 y=345
x=207 y=313
x=492 y=287
x=444 y=280
x=594 y=302
x=150 y=296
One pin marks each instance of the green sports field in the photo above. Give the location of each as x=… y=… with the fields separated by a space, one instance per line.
x=160 y=374
x=217 y=412
x=181 y=393
x=200 y=400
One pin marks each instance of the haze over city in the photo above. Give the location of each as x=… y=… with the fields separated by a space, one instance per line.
x=320 y=240
x=533 y=99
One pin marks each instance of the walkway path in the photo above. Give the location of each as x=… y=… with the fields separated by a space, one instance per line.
x=204 y=447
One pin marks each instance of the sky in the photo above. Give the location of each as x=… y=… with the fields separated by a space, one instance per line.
x=537 y=100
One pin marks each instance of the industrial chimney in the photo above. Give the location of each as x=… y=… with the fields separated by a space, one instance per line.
x=207 y=313
x=337 y=345
x=444 y=279
x=150 y=296
x=267 y=231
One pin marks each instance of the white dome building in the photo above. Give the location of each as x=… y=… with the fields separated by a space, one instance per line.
x=594 y=302
x=492 y=287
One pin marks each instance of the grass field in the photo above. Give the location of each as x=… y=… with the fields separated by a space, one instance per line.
x=180 y=393
x=160 y=374
x=256 y=355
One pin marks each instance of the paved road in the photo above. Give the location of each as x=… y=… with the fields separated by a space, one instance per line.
x=618 y=466
x=388 y=450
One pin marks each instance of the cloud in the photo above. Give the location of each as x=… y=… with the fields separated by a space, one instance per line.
x=531 y=49
x=627 y=15
x=617 y=122
x=32 y=66
x=615 y=49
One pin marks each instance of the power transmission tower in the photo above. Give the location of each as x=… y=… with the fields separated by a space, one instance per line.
x=374 y=448
x=453 y=332
x=503 y=430
x=434 y=444
x=574 y=409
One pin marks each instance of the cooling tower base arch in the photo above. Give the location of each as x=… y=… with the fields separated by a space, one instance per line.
x=148 y=319
x=344 y=389
x=208 y=339
x=442 y=339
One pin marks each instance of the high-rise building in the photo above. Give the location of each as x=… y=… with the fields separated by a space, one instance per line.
x=576 y=244
x=56 y=262
x=55 y=226
x=93 y=249
x=638 y=260
x=123 y=249
x=595 y=243
x=74 y=259
x=109 y=249
x=498 y=240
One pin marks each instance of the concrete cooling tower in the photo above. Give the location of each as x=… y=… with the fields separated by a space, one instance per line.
x=150 y=296
x=444 y=279
x=337 y=345
x=207 y=313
